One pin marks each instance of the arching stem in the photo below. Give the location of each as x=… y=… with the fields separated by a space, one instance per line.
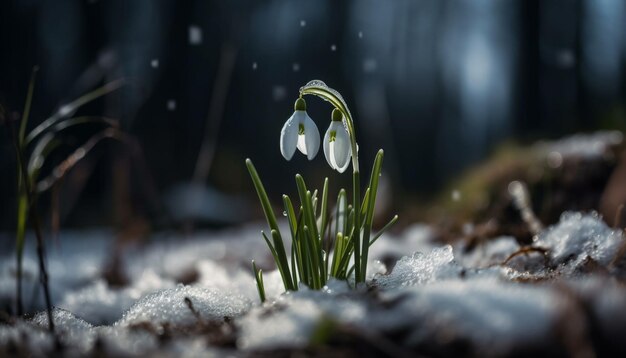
x=319 y=89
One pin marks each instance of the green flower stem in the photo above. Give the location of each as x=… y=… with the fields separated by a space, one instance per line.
x=323 y=223
x=312 y=231
x=356 y=239
x=336 y=100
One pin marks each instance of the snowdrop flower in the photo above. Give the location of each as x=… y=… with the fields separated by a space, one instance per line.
x=299 y=132
x=337 y=143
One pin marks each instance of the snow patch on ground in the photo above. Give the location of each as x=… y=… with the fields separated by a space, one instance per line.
x=579 y=237
x=417 y=237
x=72 y=331
x=433 y=297
x=491 y=314
x=492 y=252
x=169 y=306
x=421 y=269
x=291 y=320
x=588 y=146
x=100 y=304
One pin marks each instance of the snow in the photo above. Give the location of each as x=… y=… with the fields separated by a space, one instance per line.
x=434 y=296
x=279 y=92
x=417 y=237
x=292 y=318
x=72 y=330
x=27 y=336
x=588 y=146
x=369 y=65
x=492 y=252
x=491 y=314
x=195 y=35
x=100 y=304
x=422 y=268
x=169 y=306
x=578 y=237
x=73 y=264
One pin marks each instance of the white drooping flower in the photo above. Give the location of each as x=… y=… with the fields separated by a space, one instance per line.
x=337 y=148
x=299 y=132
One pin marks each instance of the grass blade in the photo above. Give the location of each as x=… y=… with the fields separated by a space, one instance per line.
x=70 y=161
x=22 y=200
x=387 y=226
x=324 y=209
x=258 y=276
x=27 y=106
x=71 y=107
x=281 y=259
x=369 y=215
x=283 y=274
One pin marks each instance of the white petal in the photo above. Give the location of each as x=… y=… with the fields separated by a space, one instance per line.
x=299 y=117
x=341 y=153
x=302 y=144
x=311 y=137
x=326 y=146
x=289 y=137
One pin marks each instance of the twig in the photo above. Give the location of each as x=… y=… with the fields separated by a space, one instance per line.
x=524 y=251
x=60 y=170
x=521 y=199
x=193 y=309
x=33 y=216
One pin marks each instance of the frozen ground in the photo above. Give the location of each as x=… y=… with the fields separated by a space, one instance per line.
x=564 y=296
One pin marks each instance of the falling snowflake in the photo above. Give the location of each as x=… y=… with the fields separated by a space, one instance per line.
x=279 y=93
x=370 y=65
x=195 y=35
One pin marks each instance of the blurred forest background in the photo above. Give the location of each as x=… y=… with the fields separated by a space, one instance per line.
x=439 y=84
